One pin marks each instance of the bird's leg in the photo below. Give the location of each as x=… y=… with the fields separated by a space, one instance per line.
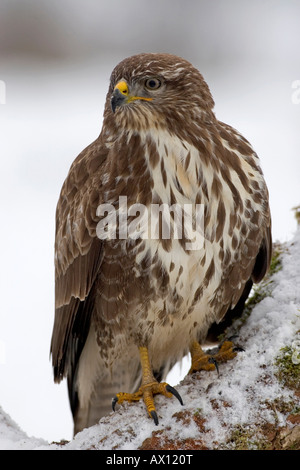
x=148 y=388
x=203 y=361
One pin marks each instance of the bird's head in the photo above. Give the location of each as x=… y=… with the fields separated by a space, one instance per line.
x=155 y=88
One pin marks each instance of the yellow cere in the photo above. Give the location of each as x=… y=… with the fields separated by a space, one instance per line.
x=122 y=87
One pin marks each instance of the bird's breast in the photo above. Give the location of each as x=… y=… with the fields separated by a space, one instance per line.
x=180 y=260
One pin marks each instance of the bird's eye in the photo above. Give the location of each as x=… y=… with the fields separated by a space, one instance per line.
x=152 y=83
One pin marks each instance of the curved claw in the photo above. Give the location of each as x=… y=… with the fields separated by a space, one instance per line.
x=174 y=392
x=113 y=403
x=154 y=416
x=238 y=349
x=214 y=362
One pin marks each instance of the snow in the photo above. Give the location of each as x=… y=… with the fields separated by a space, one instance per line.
x=13 y=438
x=245 y=384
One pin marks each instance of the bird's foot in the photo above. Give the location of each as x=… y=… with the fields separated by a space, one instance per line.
x=203 y=361
x=147 y=391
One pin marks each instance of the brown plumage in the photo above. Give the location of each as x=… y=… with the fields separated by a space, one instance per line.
x=160 y=143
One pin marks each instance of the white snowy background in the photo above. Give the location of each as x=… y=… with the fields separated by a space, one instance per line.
x=55 y=62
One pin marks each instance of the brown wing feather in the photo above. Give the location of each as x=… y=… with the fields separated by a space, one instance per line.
x=257 y=273
x=252 y=249
x=77 y=257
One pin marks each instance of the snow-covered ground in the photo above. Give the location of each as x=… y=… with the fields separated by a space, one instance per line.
x=246 y=384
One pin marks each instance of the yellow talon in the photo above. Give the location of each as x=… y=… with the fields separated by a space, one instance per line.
x=149 y=387
x=226 y=352
x=203 y=361
x=121 y=397
x=200 y=360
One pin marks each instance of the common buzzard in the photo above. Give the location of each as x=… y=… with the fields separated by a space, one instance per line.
x=133 y=297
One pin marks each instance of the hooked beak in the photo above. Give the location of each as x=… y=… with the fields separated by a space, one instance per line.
x=117 y=99
x=122 y=96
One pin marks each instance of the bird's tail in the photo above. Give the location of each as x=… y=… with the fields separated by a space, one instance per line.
x=100 y=403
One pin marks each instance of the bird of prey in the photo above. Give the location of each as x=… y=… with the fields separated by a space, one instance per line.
x=131 y=303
